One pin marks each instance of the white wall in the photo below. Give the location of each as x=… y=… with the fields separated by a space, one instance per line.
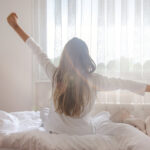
x=15 y=58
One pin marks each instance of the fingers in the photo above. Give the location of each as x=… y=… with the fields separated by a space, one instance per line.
x=16 y=16
x=13 y=15
x=12 y=19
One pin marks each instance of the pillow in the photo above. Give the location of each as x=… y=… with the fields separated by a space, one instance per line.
x=8 y=122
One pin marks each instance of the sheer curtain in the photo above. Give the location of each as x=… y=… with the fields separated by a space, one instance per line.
x=117 y=33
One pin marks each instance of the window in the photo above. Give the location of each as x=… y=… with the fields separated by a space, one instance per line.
x=117 y=33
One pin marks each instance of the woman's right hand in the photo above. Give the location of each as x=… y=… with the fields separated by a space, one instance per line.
x=12 y=20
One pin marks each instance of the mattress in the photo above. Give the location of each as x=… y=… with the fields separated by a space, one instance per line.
x=22 y=130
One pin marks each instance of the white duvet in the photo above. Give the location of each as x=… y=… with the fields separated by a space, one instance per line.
x=21 y=130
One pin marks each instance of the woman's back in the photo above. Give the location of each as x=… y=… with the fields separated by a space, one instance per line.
x=71 y=89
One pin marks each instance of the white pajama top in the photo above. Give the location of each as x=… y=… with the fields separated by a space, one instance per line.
x=85 y=124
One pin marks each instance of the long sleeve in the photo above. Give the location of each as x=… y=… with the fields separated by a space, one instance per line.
x=103 y=83
x=45 y=62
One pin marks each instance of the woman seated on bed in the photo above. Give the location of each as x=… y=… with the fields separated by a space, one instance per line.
x=74 y=85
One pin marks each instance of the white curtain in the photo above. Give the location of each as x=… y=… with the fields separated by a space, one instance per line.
x=117 y=33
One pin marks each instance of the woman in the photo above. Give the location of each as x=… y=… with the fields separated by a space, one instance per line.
x=74 y=87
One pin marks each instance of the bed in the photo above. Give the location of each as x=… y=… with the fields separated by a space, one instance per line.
x=23 y=131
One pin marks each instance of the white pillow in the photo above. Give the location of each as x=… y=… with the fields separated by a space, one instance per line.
x=8 y=122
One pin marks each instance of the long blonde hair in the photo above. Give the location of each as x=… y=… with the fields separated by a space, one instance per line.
x=71 y=91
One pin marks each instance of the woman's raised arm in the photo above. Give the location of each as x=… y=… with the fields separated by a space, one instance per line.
x=104 y=83
x=36 y=49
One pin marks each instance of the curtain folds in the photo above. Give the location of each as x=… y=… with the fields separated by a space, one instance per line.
x=117 y=33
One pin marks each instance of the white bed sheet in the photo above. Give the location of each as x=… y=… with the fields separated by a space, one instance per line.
x=21 y=130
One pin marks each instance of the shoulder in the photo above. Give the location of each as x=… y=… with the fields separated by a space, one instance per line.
x=95 y=78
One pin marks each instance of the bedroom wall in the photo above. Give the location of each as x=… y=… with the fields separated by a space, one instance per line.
x=15 y=58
